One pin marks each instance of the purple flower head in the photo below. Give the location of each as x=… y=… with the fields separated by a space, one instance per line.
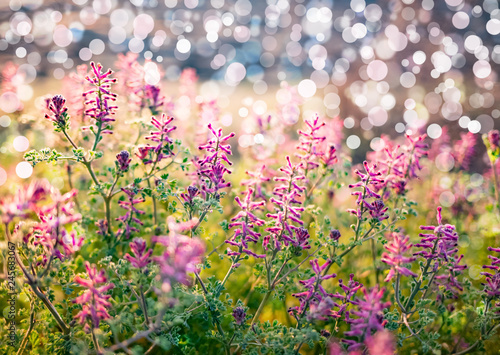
x=123 y=160
x=329 y=157
x=377 y=210
x=58 y=111
x=192 y=192
x=94 y=302
x=441 y=243
x=315 y=302
x=181 y=254
x=464 y=150
x=256 y=181
x=494 y=139
x=449 y=280
x=153 y=98
x=142 y=257
x=414 y=151
x=394 y=257
x=348 y=289
x=50 y=231
x=246 y=221
x=143 y=153
x=239 y=315
x=102 y=227
x=370 y=317
x=132 y=212
x=163 y=148
x=335 y=234
x=492 y=285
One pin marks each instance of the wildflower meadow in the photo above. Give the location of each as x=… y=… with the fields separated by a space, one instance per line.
x=149 y=208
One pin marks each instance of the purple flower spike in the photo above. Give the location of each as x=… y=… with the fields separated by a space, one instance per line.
x=494 y=139
x=335 y=234
x=444 y=235
x=161 y=137
x=59 y=111
x=310 y=141
x=210 y=167
x=192 y=192
x=395 y=258
x=370 y=317
x=93 y=300
x=142 y=257
x=287 y=194
x=100 y=98
x=377 y=210
x=129 y=217
x=315 y=302
x=464 y=150
x=239 y=315
x=246 y=221
x=123 y=160
x=181 y=255
x=492 y=284
x=370 y=177
x=153 y=98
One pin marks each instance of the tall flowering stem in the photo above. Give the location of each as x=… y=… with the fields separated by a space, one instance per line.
x=314 y=152
x=132 y=212
x=94 y=302
x=211 y=168
x=439 y=248
x=100 y=100
x=287 y=211
x=492 y=143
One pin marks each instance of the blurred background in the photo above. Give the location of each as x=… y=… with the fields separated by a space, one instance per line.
x=383 y=67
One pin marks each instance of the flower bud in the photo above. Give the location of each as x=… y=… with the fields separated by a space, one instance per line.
x=123 y=160
x=335 y=234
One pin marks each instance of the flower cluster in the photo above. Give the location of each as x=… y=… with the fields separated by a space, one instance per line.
x=315 y=302
x=285 y=204
x=153 y=98
x=163 y=148
x=180 y=256
x=94 y=302
x=128 y=217
x=394 y=257
x=399 y=164
x=376 y=208
x=245 y=221
x=439 y=248
x=211 y=168
x=370 y=317
x=142 y=257
x=464 y=150
x=58 y=112
x=256 y=181
x=492 y=284
x=239 y=315
x=99 y=99
x=50 y=232
x=123 y=160
x=310 y=143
